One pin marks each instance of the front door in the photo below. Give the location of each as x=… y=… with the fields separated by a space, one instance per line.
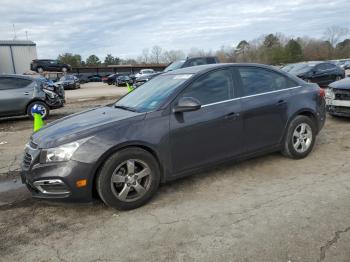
x=15 y=93
x=212 y=133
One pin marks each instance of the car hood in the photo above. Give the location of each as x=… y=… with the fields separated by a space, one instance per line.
x=65 y=82
x=341 y=84
x=81 y=125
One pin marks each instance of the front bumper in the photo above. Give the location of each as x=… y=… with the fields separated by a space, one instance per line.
x=338 y=107
x=56 y=180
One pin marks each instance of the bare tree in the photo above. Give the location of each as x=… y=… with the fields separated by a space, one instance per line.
x=334 y=33
x=145 y=55
x=172 y=55
x=156 y=54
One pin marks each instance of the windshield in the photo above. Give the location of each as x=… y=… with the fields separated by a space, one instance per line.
x=301 y=68
x=64 y=78
x=174 y=65
x=287 y=68
x=153 y=93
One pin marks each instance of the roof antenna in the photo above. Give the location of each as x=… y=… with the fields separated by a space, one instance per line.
x=14 y=31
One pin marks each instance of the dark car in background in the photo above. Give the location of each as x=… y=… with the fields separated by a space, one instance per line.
x=110 y=80
x=175 y=124
x=41 y=65
x=122 y=80
x=188 y=62
x=83 y=79
x=338 y=98
x=69 y=82
x=94 y=78
x=321 y=73
x=18 y=94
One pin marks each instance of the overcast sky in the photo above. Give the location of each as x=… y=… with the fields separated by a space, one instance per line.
x=124 y=28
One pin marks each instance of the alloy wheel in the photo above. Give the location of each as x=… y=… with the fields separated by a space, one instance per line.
x=302 y=137
x=131 y=180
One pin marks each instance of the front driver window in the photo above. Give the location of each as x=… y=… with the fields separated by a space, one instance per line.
x=211 y=88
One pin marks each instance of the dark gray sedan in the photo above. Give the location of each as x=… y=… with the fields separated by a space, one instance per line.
x=18 y=94
x=173 y=125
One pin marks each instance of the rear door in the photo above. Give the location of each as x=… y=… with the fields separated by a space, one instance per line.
x=212 y=133
x=266 y=95
x=15 y=94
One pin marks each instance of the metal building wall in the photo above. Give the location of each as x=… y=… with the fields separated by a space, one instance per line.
x=5 y=60
x=16 y=56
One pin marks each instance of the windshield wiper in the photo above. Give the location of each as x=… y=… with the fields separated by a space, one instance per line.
x=125 y=108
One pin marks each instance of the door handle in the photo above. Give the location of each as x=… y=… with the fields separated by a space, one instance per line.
x=281 y=102
x=26 y=93
x=232 y=116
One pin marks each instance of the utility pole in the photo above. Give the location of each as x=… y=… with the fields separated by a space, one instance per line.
x=14 y=31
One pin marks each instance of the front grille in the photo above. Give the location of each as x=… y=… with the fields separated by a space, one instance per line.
x=342 y=94
x=27 y=160
x=342 y=109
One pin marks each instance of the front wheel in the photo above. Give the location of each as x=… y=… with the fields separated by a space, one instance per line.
x=46 y=110
x=128 y=179
x=300 y=137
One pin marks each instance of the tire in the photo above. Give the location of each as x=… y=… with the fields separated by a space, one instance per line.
x=338 y=78
x=40 y=70
x=64 y=69
x=125 y=193
x=298 y=144
x=30 y=106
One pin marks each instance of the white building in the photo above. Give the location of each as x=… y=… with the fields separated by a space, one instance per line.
x=16 y=56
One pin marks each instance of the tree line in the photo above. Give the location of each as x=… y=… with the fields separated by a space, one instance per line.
x=274 y=49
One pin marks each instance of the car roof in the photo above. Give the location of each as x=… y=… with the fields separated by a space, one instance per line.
x=17 y=76
x=208 y=67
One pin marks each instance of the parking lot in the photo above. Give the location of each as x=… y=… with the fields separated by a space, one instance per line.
x=266 y=209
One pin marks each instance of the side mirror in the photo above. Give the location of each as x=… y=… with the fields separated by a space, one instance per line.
x=186 y=104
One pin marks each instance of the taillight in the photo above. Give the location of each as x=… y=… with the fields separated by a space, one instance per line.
x=322 y=93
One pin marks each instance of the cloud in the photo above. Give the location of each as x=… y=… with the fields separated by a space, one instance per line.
x=124 y=28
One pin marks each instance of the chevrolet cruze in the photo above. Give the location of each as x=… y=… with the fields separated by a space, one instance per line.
x=178 y=123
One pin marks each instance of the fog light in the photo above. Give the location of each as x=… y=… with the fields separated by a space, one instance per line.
x=81 y=183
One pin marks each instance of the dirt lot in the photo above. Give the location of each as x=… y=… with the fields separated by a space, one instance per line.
x=266 y=209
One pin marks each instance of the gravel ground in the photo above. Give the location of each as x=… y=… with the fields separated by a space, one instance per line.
x=266 y=209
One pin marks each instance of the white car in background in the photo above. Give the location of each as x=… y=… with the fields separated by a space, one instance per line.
x=144 y=72
x=338 y=98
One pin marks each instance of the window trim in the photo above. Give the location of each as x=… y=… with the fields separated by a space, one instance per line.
x=266 y=69
x=243 y=97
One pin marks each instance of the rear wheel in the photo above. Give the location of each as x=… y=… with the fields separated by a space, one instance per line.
x=128 y=179
x=64 y=69
x=40 y=70
x=338 y=78
x=300 y=137
x=46 y=109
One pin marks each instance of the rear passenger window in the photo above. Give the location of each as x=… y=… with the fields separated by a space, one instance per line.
x=258 y=80
x=13 y=83
x=211 y=88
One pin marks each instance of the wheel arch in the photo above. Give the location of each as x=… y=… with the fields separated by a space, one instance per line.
x=120 y=147
x=35 y=100
x=302 y=112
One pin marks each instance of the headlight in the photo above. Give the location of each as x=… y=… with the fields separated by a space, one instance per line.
x=61 y=153
x=329 y=93
x=50 y=93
